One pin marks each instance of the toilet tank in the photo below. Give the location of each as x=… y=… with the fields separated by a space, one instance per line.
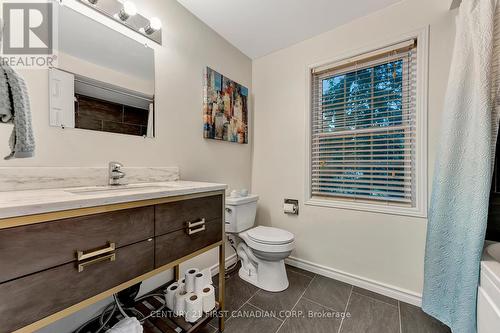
x=240 y=213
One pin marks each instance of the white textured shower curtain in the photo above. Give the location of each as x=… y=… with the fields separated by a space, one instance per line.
x=462 y=179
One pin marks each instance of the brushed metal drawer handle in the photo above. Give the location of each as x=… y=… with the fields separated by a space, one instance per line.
x=191 y=225
x=195 y=224
x=83 y=265
x=81 y=255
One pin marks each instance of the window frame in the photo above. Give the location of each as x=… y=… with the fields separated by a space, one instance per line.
x=421 y=183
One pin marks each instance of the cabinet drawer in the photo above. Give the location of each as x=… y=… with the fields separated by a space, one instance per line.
x=173 y=216
x=179 y=243
x=33 y=297
x=28 y=249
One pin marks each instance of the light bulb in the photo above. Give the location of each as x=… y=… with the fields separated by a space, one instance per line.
x=129 y=9
x=154 y=25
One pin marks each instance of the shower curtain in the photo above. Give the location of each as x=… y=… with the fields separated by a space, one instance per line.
x=462 y=178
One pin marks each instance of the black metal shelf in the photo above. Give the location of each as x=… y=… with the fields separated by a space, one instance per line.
x=165 y=322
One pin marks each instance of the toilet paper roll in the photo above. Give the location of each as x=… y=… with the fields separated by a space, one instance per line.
x=208 y=298
x=200 y=281
x=289 y=208
x=182 y=284
x=194 y=308
x=208 y=275
x=180 y=302
x=171 y=291
x=189 y=276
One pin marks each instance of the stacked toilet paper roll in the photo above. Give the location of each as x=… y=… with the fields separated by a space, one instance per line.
x=193 y=308
x=190 y=277
x=180 y=302
x=171 y=291
x=182 y=284
x=192 y=295
x=200 y=281
x=208 y=298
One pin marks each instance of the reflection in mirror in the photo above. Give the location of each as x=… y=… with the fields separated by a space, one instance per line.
x=104 y=80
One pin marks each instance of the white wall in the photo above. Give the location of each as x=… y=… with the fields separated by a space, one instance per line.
x=384 y=248
x=88 y=69
x=188 y=46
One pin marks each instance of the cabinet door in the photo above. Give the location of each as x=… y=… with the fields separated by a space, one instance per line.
x=173 y=216
x=180 y=243
x=32 y=248
x=33 y=297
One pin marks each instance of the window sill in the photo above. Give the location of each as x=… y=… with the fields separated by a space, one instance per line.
x=368 y=207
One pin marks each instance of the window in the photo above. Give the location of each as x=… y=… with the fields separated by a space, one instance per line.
x=364 y=142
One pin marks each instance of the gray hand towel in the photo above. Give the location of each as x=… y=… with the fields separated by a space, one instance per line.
x=15 y=108
x=22 y=141
x=5 y=105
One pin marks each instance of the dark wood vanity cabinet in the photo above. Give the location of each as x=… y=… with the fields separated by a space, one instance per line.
x=33 y=297
x=50 y=266
x=173 y=216
x=188 y=226
x=32 y=248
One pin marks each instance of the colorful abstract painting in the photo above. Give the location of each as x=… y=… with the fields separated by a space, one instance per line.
x=225 y=109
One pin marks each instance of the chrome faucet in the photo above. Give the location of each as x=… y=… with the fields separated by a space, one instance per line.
x=115 y=173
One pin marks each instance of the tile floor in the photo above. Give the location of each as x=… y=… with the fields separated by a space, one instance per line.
x=255 y=310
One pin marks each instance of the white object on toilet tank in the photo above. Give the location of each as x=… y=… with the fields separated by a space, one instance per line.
x=240 y=213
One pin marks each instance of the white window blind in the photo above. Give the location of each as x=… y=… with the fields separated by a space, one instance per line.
x=364 y=127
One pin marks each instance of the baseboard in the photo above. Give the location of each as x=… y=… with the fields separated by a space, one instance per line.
x=403 y=295
x=214 y=270
x=400 y=294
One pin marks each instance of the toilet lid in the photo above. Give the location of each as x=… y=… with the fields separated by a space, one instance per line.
x=268 y=235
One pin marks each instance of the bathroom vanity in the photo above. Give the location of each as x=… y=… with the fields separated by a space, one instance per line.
x=64 y=249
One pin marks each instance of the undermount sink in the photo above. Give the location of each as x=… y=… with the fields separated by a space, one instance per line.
x=119 y=188
x=494 y=251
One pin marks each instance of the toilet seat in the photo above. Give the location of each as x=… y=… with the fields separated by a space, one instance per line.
x=267 y=239
x=270 y=236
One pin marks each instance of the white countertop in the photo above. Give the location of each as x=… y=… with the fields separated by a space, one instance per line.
x=29 y=202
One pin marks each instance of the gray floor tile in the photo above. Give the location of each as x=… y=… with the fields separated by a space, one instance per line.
x=368 y=315
x=330 y=293
x=215 y=278
x=414 y=320
x=284 y=300
x=376 y=296
x=237 y=293
x=299 y=270
x=323 y=321
x=249 y=319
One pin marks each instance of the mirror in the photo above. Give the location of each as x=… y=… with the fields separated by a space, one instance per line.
x=104 y=80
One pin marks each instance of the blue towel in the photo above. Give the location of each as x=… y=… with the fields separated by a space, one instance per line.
x=462 y=179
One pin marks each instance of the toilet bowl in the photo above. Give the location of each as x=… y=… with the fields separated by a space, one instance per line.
x=262 y=250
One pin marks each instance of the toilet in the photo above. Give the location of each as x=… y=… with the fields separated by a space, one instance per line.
x=262 y=250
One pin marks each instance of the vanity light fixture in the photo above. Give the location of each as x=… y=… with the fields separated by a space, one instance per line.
x=128 y=9
x=153 y=26
x=125 y=12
